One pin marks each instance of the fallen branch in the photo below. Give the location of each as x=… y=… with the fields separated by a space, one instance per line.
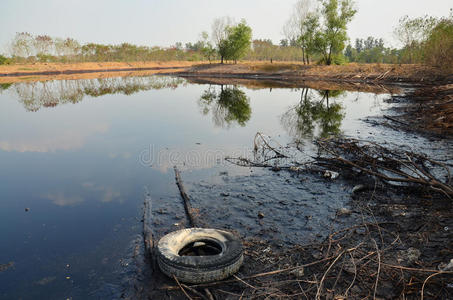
x=188 y=207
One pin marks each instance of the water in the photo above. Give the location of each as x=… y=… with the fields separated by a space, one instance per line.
x=76 y=155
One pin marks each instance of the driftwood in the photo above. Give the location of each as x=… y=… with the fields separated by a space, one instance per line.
x=147 y=232
x=188 y=207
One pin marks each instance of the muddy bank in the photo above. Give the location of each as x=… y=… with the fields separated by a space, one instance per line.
x=392 y=242
x=350 y=73
x=288 y=73
x=426 y=110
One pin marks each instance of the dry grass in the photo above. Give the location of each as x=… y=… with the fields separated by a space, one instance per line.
x=295 y=70
x=49 y=67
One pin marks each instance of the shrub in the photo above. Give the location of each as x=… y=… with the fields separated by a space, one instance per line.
x=439 y=45
x=4 y=60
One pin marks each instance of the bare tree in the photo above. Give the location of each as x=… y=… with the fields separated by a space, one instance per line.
x=297 y=26
x=220 y=33
x=22 y=45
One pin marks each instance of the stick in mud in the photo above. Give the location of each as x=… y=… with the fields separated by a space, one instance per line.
x=147 y=232
x=189 y=210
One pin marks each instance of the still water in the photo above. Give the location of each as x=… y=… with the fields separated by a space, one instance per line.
x=77 y=155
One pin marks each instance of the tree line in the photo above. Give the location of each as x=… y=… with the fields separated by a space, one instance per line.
x=316 y=32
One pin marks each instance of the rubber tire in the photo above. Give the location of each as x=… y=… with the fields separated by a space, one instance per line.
x=199 y=269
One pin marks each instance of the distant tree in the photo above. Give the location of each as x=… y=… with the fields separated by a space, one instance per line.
x=330 y=40
x=22 y=45
x=178 y=46
x=239 y=40
x=359 y=45
x=438 y=47
x=4 y=60
x=300 y=27
x=207 y=49
x=220 y=32
x=284 y=43
x=43 y=44
x=412 y=32
x=350 y=53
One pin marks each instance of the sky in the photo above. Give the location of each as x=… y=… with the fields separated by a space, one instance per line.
x=165 y=22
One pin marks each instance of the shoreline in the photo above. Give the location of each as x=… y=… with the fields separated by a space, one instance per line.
x=291 y=72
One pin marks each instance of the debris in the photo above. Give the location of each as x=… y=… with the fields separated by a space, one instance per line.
x=344 y=211
x=359 y=188
x=331 y=174
x=446 y=267
x=410 y=255
x=7 y=266
x=45 y=280
x=298 y=272
x=260 y=215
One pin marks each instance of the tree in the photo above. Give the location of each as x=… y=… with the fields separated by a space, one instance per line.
x=207 y=49
x=330 y=40
x=284 y=43
x=22 y=44
x=439 y=44
x=220 y=31
x=412 y=32
x=239 y=41
x=301 y=26
x=43 y=44
x=4 y=60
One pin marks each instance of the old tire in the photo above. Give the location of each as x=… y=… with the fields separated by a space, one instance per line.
x=199 y=269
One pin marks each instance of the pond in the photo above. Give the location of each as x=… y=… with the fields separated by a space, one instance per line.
x=76 y=157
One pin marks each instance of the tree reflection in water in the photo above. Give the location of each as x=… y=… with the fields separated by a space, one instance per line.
x=35 y=95
x=228 y=106
x=314 y=116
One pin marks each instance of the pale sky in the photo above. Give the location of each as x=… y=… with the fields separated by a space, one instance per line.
x=165 y=22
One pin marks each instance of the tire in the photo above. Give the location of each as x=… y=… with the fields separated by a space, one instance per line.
x=204 y=268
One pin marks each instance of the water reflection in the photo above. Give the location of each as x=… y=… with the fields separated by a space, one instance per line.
x=228 y=105
x=314 y=116
x=4 y=86
x=35 y=95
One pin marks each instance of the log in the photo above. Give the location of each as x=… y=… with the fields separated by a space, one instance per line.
x=188 y=207
x=147 y=232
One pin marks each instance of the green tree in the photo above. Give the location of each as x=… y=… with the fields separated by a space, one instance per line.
x=239 y=41
x=207 y=49
x=330 y=40
x=220 y=32
x=4 y=60
x=301 y=26
x=412 y=33
x=439 y=45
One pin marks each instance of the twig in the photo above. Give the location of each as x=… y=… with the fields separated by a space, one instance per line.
x=426 y=280
x=194 y=291
x=378 y=270
x=247 y=284
x=209 y=294
x=256 y=275
x=182 y=289
x=355 y=275
x=318 y=293
x=416 y=270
